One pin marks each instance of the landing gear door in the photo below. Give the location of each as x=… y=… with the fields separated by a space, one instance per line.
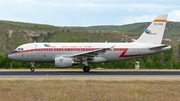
x=133 y=49
x=32 y=49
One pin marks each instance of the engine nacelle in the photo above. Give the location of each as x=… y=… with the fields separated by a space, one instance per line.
x=63 y=62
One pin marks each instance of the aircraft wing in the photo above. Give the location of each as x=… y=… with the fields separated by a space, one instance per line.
x=92 y=53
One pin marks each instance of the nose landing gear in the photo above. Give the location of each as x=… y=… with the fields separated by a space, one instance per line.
x=32 y=69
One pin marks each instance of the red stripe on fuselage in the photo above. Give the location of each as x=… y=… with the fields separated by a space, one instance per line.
x=59 y=49
x=126 y=49
x=81 y=49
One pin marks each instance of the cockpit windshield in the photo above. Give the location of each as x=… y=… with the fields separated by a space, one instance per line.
x=19 y=49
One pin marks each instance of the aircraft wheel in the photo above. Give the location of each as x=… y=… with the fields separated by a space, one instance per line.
x=86 y=68
x=32 y=69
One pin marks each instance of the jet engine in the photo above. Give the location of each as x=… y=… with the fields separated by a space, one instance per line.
x=63 y=62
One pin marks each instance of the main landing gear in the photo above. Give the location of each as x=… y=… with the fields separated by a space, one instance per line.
x=32 y=68
x=86 y=68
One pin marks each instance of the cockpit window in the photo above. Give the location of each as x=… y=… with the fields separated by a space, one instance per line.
x=19 y=49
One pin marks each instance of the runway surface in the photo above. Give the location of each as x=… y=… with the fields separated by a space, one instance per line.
x=91 y=73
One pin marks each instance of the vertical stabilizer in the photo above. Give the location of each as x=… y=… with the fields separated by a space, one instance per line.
x=154 y=33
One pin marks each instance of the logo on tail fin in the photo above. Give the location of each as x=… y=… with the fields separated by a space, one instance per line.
x=147 y=31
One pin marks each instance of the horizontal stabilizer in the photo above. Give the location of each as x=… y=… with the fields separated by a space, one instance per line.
x=158 y=47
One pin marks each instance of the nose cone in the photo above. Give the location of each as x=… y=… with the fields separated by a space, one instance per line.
x=13 y=57
x=10 y=56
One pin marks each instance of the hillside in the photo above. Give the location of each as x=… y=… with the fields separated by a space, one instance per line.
x=13 y=34
x=172 y=30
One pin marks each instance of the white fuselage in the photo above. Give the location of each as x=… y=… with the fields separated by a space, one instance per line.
x=46 y=52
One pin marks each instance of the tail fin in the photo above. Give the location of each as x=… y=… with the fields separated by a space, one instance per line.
x=154 y=33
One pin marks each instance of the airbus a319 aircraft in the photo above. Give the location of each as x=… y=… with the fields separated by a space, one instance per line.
x=65 y=55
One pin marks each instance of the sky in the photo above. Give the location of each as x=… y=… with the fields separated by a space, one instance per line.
x=87 y=12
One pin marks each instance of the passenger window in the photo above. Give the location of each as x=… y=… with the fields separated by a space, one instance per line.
x=18 y=49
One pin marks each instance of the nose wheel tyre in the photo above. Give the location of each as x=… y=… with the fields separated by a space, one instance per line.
x=86 y=68
x=32 y=69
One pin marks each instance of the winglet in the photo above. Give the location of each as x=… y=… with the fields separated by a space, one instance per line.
x=112 y=48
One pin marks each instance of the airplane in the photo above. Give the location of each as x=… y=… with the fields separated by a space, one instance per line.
x=65 y=55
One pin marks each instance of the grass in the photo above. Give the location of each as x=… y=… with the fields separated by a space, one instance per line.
x=90 y=89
